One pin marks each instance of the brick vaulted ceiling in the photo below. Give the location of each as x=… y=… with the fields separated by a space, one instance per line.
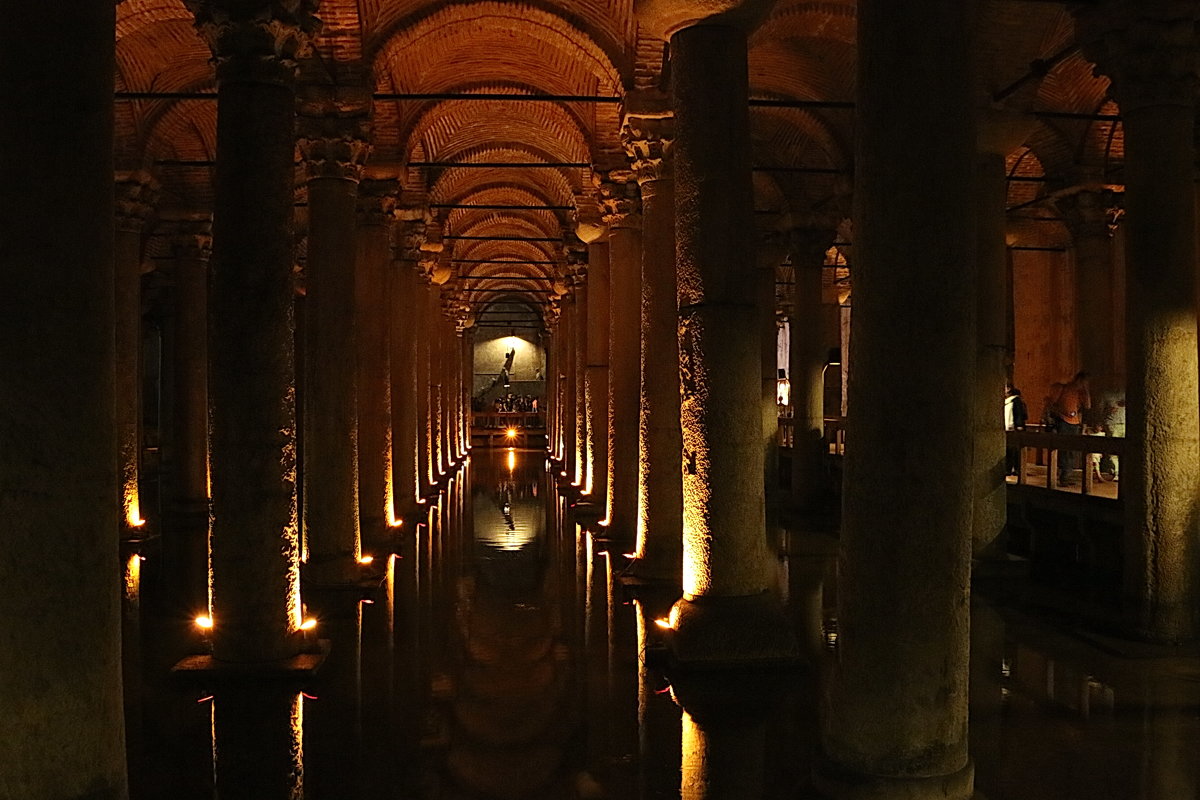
x=805 y=51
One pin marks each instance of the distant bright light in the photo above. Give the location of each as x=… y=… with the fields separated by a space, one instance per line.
x=308 y=624
x=204 y=622
x=511 y=433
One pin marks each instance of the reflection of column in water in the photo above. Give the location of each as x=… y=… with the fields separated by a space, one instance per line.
x=805 y=599
x=622 y=686
x=1169 y=764
x=658 y=718
x=425 y=617
x=406 y=719
x=257 y=751
x=595 y=638
x=985 y=730
x=378 y=693
x=722 y=760
x=333 y=726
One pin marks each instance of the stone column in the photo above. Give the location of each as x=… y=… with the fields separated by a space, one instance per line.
x=725 y=616
x=1089 y=216
x=424 y=335
x=894 y=714
x=648 y=141
x=191 y=248
x=447 y=391
x=254 y=545
x=622 y=215
x=467 y=343
x=60 y=607
x=136 y=195
x=373 y=268
x=596 y=377
x=1148 y=49
x=402 y=351
x=551 y=341
x=570 y=370
x=333 y=154
x=806 y=367
x=579 y=356
x=999 y=133
x=768 y=255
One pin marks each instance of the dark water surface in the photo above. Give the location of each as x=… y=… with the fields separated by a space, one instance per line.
x=499 y=657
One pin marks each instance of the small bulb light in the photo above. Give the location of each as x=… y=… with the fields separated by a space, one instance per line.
x=308 y=624
x=204 y=621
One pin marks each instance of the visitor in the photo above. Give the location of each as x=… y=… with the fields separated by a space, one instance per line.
x=1016 y=414
x=1066 y=410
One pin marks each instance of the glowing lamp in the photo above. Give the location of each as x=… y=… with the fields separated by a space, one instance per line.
x=663 y=622
x=511 y=433
x=204 y=621
x=308 y=624
x=783 y=389
x=365 y=559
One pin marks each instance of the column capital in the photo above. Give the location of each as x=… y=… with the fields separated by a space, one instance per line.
x=334 y=147
x=136 y=196
x=809 y=237
x=259 y=40
x=410 y=232
x=648 y=141
x=377 y=201
x=588 y=218
x=192 y=238
x=1146 y=48
x=620 y=200
x=1090 y=213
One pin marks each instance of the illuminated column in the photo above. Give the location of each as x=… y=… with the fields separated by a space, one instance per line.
x=579 y=357
x=402 y=351
x=376 y=207
x=424 y=322
x=1089 y=215
x=467 y=388
x=596 y=377
x=998 y=134
x=806 y=367
x=333 y=153
x=725 y=616
x=254 y=545
x=191 y=247
x=769 y=255
x=648 y=141
x=570 y=328
x=894 y=716
x=1148 y=52
x=447 y=391
x=136 y=194
x=551 y=341
x=59 y=610
x=622 y=214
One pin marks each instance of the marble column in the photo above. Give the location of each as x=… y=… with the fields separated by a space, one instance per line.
x=551 y=341
x=191 y=247
x=424 y=335
x=402 y=351
x=373 y=273
x=894 y=711
x=806 y=367
x=622 y=214
x=659 y=551
x=596 y=377
x=579 y=356
x=254 y=544
x=769 y=255
x=989 y=510
x=60 y=608
x=1089 y=216
x=570 y=369
x=333 y=155
x=136 y=196
x=726 y=616
x=1148 y=52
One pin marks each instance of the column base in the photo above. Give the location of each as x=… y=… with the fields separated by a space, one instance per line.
x=210 y=671
x=721 y=632
x=836 y=783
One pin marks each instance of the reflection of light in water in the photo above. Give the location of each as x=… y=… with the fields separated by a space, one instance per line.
x=512 y=459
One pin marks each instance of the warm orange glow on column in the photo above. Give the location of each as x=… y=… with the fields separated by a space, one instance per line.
x=133 y=511
x=512 y=459
x=133 y=579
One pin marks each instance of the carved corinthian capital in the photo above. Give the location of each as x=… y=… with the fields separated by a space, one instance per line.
x=1146 y=47
x=136 y=196
x=192 y=238
x=334 y=147
x=648 y=141
x=269 y=33
x=377 y=201
x=620 y=201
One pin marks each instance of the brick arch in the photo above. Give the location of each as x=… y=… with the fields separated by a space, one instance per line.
x=554 y=184
x=828 y=20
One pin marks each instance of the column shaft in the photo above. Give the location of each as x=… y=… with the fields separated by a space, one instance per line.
x=406 y=486
x=254 y=545
x=624 y=374
x=373 y=305
x=596 y=379
x=905 y=545
x=579 y=356
x=424 y=336
x=331 y=522
x=60 y=608
x=660 y=487
x=806 y=370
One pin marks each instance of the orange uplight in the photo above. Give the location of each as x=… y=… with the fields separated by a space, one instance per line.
x=204 y=621
x=511 y=433
x=308 y=624
x=663 y=622
x=395 y=522
x=366 y=559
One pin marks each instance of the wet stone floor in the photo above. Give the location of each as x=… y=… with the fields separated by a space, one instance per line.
x=499 y=657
